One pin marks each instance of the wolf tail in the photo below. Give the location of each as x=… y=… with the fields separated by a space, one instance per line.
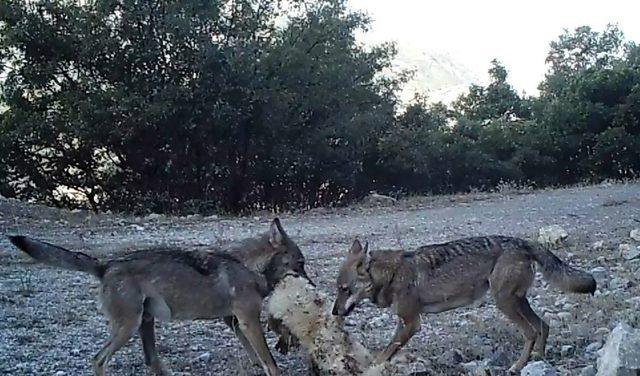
x=560 y=274
x=59 y=257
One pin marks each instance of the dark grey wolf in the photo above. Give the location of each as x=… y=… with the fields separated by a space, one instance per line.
x=174 y=284
x=439 y=277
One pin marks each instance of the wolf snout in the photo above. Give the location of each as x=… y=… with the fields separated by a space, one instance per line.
x=304 y=275
x=301 y=274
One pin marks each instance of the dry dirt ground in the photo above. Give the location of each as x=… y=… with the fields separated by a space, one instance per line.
x=50 y=323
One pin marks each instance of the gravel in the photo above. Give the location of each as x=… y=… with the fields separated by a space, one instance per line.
x=50 y=322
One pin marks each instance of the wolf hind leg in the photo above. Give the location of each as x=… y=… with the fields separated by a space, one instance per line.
x=122 y=330
x=510 y=306
x=151 y=357
x=511 y=278
x=537 y=324
x=509 y=283
x=122 y=302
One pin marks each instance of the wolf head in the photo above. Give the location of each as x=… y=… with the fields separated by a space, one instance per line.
x=273 y=254
x=354 y=281
x=286 y=258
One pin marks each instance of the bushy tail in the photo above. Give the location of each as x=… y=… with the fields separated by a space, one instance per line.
x=560 y=274
x=53 y=255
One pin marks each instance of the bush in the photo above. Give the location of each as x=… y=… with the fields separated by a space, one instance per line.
x=220 y=106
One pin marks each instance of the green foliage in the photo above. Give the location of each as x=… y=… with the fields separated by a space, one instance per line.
x=593 y=116
x=242 y=105
x=584 y=126
x=154 y=105
x=497 y=100
x=577 y=51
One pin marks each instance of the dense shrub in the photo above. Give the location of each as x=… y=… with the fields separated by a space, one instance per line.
x=159 y=105
x=239 y=105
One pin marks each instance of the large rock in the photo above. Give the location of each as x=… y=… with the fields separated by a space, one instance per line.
x=620 y=356
x=539 y=368
x=600 y=274
x=633 y=254
x=153 y=217
x=629 y=252
x=552 y=235
x=376 y=199
x=635 y=234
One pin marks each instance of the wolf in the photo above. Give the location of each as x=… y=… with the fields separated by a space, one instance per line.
x=274 y=263
x=439 y=277
x=174 y=284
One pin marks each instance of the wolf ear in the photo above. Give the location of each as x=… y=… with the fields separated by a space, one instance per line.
x=276 y=233
x=356 y=247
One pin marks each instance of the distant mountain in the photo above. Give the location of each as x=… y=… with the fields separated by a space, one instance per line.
x=438 y=75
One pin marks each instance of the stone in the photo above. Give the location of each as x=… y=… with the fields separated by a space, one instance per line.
x=620 y=356
x=597 y=246
x=635 y=301
x=619 y=283
x=629 y=252
x=477 y=368
x=137 y=227
x=588 y=371
x=204 y=357
x=153 y=216
x=635 y=234
x=451 y=357
x=600 y=273
x=376 y=199
x=539 y=368
x=566 y=350
x=552 y=235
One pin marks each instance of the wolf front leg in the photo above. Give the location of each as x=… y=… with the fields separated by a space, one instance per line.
x=408 y=325
x=249 y=324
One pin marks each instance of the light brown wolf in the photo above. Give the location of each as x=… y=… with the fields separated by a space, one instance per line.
x=174 y=284
x=439 y=277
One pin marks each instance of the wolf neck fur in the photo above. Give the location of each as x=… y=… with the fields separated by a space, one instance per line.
x=382 y=269
x=253 y=252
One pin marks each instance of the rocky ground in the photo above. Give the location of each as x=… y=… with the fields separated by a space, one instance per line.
x=50 y=323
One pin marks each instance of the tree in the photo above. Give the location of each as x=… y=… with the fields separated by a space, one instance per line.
x=579 y=50
x=587 y=105
x=162 y=105
x=498 y=100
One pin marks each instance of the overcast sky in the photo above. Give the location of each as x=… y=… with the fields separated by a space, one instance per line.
x=516 y=32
